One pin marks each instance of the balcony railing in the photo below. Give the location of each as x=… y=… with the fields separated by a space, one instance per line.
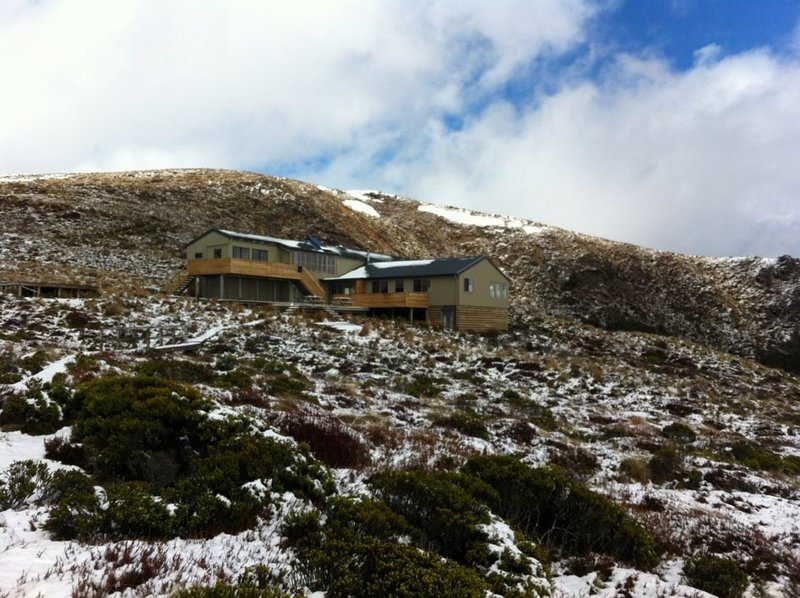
x=378 y=300
x=227 y=265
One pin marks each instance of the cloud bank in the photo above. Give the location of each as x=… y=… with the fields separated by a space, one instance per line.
x=515 y=107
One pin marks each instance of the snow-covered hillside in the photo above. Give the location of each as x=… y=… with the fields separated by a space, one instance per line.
x=652 y=423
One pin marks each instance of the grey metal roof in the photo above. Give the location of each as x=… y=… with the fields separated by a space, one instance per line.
x=451 y=266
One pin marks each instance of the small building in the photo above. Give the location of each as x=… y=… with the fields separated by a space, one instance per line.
x=465 y=293
x=461 y=293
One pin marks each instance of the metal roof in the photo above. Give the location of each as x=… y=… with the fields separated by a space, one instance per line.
x=450 y=266
x=300 y=245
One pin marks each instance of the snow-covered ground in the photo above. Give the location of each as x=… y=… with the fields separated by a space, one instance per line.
x=553 y=392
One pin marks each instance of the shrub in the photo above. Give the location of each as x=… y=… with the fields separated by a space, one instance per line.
x=179 y=370
x=756 y=457
x=445 y=516
x=343 y=558
x=565 y=514
x=423 y=385
x=636 y=469
x=716 y=575
x=666 y=464
x=330 y=440
x=138 y=428
x=25 y=483
x=32 y=413
x=467 y=422
x=223 y=590
x=132 y=511
x=77 y=512
x=678 y=432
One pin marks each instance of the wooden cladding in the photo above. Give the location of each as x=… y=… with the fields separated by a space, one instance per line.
x=473 y=319
x=210 y=267
x=385 y=300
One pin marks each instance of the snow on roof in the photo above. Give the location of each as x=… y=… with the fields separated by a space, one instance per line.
x=359 y=206
x=467 y=217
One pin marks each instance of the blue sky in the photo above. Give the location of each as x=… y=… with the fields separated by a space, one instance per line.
x=673 y=124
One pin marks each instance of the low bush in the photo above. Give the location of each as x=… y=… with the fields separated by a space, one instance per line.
x=444 y=514
x=422 y=385
x=178 y=370
x=356 y=554
x=31 y=413
x=566 y=515
x=666 y=465
x=76 y=512
x=678 y=432
x=467 y=422
x=330 y=440
x=716 y=575
x=25 y=483
x=756 y=457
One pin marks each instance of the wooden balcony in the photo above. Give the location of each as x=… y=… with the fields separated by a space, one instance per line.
x=384 y=300
x=210 y=267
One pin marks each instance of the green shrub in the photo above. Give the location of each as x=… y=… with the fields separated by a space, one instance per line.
x=467 y=422
x=32 y=413
x=678 y=432
x=340 y=562
x=25 y=483
x=756 y=457
x=444 y=515
x=565 y=514
x=133 y=512
x=178 y=370
x=77 y=512
x=423 y=385
x=666 y=464
x=636 y=469
x=138 y=428
x=223 y=590
x=716 y=575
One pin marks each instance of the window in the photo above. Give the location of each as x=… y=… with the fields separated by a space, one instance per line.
x=241 y=253
x=469 y=285
x=260 y=255
x=498 y=290
x=218 y=252
x=318 y=262
x=398 y=286
x=421 y=285
x=380 y=286
x=198 y=255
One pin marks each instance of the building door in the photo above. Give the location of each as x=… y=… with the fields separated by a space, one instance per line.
x=449 y=317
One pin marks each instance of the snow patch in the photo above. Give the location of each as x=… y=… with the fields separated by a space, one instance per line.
x=359 y=206
x=470 y=218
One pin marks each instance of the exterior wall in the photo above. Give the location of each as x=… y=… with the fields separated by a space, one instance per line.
x=443 y=290
x=482 y=274
x=275 y=253
x=244 y=288
x=481 y=319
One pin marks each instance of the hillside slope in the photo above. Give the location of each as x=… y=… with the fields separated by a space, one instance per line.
x=129 y=229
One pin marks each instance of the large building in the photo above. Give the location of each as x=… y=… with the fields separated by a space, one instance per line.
x=468 y=293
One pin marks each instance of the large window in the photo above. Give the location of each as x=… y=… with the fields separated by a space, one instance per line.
x=421 y=285
x=498 y=290
x=217 y=252
x=241 y=253
x=318 y=262
x=398 y=286
x=260 y=255
x=469 y=285
x=380 y=286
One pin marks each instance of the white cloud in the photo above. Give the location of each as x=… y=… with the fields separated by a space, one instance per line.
x=243 y=83
x=701 y=161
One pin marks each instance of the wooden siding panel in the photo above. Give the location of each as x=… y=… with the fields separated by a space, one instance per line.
x=481 y=319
